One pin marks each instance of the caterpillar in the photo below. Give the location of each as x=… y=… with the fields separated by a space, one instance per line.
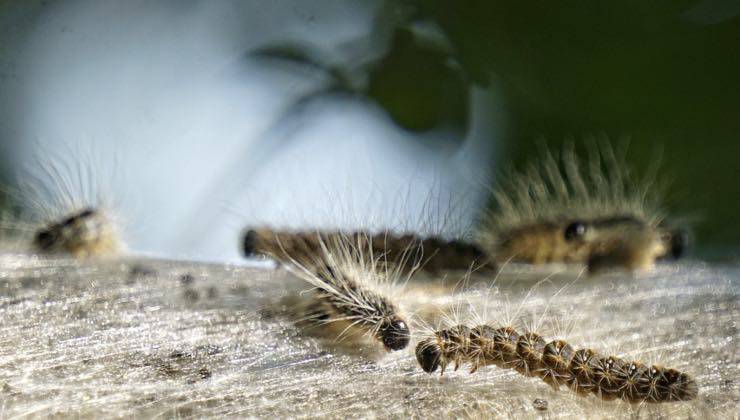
x=349 y=286
x=433 y=254
x=560 y=210
x=64 y=210
x=556 y=362
x=565 y=210
x=87 y=232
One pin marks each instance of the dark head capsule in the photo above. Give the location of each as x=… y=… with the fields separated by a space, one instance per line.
x=249 y=242
x=679 y=243
x=394 y=334
x=45 y=240
x=428 y=355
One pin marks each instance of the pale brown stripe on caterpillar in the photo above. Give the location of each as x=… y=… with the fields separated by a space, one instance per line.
x=557 y=363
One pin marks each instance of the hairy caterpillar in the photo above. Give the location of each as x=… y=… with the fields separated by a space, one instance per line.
x=351 y=288
x=85 y=233
x=434 y=254
x=566 y=210
x=559 y=210
x=555 y=362
x=64 y=209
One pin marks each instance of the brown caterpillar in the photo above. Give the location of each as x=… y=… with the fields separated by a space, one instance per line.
x=63 y=208
x=561 y=210
x=348 y=285
x=557 y=363
x=433 y=254
x=84 y=233
x=566 y=210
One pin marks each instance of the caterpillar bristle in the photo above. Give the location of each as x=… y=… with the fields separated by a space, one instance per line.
x=556 y=362
x=562 y=209
x=432 y=254
x=348 y=281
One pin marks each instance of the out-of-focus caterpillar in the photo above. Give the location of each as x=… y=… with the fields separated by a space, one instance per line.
x=557 y=363
x=561 y=210
x=64 y=209
x=565 y=210
x=351 y=290
x=432 y=254
x=84 y=233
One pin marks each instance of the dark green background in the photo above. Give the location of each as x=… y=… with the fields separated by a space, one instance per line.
x=651 y=71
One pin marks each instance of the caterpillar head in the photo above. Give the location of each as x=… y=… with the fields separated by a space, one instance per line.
x=429 y=355
x=86 y=233
x=249 y=243
x=394 y=333
x=679 y=242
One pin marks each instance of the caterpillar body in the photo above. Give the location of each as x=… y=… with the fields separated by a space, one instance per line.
x=350 y=289
x=84 y=233
x=64 y=207
x=615 y=242
x=595 y=213
x=555 y=362
x=432 y=254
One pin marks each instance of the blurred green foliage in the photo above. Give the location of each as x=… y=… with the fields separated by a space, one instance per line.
x=652 y=71
x=438 y=97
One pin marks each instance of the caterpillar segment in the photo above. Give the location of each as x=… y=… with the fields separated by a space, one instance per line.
x=64 y=206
